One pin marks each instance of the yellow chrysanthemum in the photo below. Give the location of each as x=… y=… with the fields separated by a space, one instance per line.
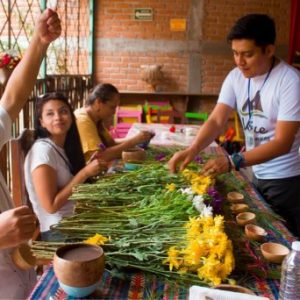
x=171 y=187
x=173 y=258
x=199 y=183
x=207 y=251
x=97 y=239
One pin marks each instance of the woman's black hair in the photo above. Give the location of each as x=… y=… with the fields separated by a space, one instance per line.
x=257 y=27
x=72 y=144
x=103 y=92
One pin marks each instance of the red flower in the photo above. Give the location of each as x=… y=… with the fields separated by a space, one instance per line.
x=8 y=61
x=172 y=129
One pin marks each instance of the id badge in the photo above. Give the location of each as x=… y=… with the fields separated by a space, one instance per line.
x=250 y=140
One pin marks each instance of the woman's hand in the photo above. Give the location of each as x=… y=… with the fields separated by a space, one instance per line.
x=143 y=136
x=96 y=167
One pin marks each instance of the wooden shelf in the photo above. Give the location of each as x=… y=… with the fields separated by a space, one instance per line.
x=181 y=101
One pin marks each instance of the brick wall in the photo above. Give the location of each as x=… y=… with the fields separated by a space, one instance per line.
x=123 y=44
x=194 y=61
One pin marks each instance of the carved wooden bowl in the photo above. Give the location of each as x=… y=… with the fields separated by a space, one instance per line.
x=79 y=268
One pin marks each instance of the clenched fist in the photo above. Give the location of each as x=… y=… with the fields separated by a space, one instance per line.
x=16 y=226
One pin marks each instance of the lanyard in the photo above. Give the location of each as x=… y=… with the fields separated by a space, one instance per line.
x=250 y=111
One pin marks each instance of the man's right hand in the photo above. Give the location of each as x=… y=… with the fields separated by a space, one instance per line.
x=181 y=158
x=17 y=226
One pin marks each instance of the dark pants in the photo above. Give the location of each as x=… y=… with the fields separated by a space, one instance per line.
x=284 y=197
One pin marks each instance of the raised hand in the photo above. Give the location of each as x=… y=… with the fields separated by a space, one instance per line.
x=48 y=26
x=16 y=226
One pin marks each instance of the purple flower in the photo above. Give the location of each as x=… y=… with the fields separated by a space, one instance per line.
x=198 y=159
x=160 y=156
x=215 y=200
x=101 y=146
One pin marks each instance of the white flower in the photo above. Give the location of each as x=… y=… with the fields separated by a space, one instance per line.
x=207 y=211
x=198 y=203
x=188 y=192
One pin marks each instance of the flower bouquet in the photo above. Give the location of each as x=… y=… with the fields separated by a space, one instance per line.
x=152 y=221
x=8 y=61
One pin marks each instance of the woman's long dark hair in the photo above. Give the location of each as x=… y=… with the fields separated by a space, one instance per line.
x=72 y=144
x=103 y=92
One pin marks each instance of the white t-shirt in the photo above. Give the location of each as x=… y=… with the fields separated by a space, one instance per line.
x=14 y=283
x=43 y=153
x=279 y=100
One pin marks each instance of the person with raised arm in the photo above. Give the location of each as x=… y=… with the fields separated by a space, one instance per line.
x=17 y=225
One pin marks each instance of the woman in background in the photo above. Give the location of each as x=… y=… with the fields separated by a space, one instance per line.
x=55 y=162
x=95 y=138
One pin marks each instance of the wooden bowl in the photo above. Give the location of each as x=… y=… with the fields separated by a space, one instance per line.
x=134 y=155
x=234 y=288
x=254 y=232
x=79 y=268
x=235 y=197
x=274 y=252
x=238 y=208
x=23 y=257
x=245 y=218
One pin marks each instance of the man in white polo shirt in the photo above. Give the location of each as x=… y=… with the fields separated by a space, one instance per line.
x=265 y=91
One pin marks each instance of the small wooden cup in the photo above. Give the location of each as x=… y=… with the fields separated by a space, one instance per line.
x=254 y=232
x=235 y=197
x=245 y=218
x=238 y=208
x=274 y=252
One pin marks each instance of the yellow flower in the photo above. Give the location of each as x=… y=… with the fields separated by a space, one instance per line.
x=199 y=183
x=171 y=187
x=97 y=239
x=207 y=250
x=173 y=258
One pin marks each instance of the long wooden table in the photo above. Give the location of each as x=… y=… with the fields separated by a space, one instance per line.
x=138 y=285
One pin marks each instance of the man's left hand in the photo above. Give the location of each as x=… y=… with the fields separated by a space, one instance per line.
x=216 y=166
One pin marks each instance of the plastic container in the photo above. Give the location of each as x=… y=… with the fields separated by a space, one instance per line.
x=290 y=274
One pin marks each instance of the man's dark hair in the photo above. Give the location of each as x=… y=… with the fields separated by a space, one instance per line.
x=257 y=27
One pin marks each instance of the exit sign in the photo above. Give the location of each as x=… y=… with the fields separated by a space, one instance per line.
x=143 y=14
